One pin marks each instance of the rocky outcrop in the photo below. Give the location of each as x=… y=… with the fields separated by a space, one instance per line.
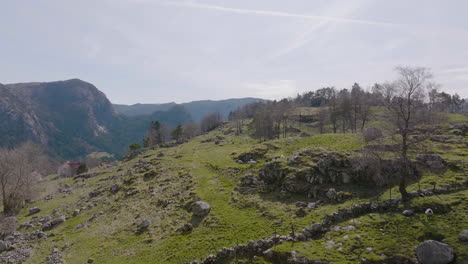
x=305 y=171
x=255 y=154
x=431 y=162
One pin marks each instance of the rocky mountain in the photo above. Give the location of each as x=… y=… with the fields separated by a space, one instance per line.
x=197 y=109
x=71 y=117
x=142 y=109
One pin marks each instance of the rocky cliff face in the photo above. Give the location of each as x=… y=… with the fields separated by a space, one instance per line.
x=69 y=116
x=18 y=120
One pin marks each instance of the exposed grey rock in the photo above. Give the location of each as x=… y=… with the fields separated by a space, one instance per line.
x=3 y=246
x=115 y=188
x=55 y=257
x=432 y=162
x=251 y=162
x=76 y=212
x=16 y=255
x=34 y=210
x=200 y=208
x=249 y=180
x=145 y=224
x=463 y=235
x=50 y=225
x=408 y=212
x=185 y=228
x=58 y=220
x=331 y=194
x=434 y=252
x=81 y=226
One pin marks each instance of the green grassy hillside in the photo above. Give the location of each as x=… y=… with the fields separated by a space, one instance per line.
x=159 y=185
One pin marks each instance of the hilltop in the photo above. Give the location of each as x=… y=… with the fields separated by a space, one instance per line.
x=297 y=199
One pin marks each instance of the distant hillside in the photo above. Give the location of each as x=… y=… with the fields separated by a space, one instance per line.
x=71 y=117
x=141 y=109
x=197 y=109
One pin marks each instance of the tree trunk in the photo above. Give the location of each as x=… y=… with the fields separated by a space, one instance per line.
x=406 y=167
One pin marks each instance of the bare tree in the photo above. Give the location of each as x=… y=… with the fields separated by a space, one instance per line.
x=191 y=129
x=211 y=121
x=155 y=134
x=322 y=117
x=17 y=175
x=404 y=100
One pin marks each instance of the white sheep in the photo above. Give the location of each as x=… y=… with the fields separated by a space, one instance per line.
x=429 y=212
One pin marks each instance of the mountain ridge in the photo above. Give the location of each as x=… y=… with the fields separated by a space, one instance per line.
x=197 y=109
x=73 y=118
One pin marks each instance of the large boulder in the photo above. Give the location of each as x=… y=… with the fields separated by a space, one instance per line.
x=200 y=208
x=434 y=252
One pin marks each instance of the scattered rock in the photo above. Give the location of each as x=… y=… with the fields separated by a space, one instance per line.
x=76 y=212
x=145 y=224
x=251 y=162
x=58 y=220
x=81 y=226
x=54 y=258
x=200 y=208
x=50 y=225
x=115 y=188
x=185 y=228
x=434 y=252
x=463 y=235
x=34 y=210
x=408 y=213
x=90 y=260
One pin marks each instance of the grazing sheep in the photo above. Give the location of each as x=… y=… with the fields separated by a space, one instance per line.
x=429 y=212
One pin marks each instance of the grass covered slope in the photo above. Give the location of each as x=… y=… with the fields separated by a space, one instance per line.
x=159 y=185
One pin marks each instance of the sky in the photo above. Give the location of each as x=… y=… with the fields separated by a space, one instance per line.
x=156 y=51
